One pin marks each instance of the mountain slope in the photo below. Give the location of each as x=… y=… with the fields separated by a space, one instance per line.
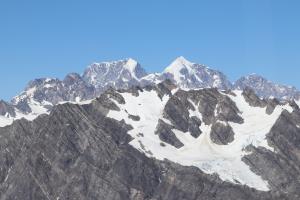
x=56 y=156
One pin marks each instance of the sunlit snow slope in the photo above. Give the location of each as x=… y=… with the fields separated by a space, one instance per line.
x=202 y=152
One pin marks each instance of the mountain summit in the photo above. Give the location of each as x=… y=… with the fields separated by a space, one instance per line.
x=193 y=76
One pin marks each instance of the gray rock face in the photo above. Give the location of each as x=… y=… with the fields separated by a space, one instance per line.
x=77 y=152
x=272 y=103
x=210 y=100
x=177 y=112
x=255 y=101
x=194 y=124
x=281 y=169
x=266 y=89
x=212 y=105
x=252 y=98
x=43 y=89
x=77 y=89
x=7 y=109
x=23 y=106
x=221 y=134
x=134 y=117
x=166 y=134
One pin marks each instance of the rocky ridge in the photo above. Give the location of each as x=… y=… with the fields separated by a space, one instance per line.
x=56 y=156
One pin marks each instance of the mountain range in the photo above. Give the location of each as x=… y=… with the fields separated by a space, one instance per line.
x=40 y=95
x=116 y=132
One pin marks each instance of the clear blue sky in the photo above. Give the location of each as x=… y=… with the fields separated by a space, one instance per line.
x=51 y=38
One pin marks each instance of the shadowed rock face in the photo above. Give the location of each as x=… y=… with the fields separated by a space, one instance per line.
x=6 y=108
x=166 y=134
x=282 y=168
x=221 y=134
x=252 y=98
x=77 y=152
x=23 y=106
x=194 y=124
x=211 y=104
x=271 y=104
x=255 y=101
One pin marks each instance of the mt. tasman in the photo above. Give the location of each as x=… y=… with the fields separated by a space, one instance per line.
x=116 y=132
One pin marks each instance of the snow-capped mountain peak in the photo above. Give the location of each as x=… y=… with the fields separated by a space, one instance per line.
x=179 y=68
x=178 y=64
x=131 y=64
x=192 y=75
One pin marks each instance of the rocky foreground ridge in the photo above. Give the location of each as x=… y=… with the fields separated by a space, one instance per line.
x=155 y=142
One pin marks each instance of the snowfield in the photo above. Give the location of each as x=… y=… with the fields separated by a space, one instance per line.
x=224 y=160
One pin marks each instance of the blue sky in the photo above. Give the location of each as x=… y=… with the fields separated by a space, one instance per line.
x=238 y=37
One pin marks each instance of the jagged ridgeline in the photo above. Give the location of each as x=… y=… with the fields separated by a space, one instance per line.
x=40 y=95
x=116 y=132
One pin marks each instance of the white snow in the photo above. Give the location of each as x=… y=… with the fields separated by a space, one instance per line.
x=84 y=102
x=28 y=93
x=217 y=81
x=37 y=109
x=148 y=106
x=298 y=102
x=48 y=80
x=190 y=75
x=224 y=160
x=49 y=85
x=4 y=121
x=77 y=99
x=177 y=65
x=153 y=78
x=130 y=66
